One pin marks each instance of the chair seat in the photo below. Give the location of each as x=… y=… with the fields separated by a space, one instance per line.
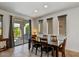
x=46 y=49
x=36 y=45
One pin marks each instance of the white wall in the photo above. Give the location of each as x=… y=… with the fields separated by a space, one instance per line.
x=72 y=27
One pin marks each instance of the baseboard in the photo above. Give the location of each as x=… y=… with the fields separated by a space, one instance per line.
x=72 y=50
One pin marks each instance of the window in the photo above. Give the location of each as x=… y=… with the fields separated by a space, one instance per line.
x=50 y=25
x=40 y=26
x=1 y=26
x=62 y=24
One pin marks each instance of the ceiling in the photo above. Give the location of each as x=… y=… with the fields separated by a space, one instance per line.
x=27 y=8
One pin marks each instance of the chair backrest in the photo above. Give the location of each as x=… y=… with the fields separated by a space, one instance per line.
x=54 y=38
x=43 y=41
x=34 y=39
x=34 y=36
x=45 y=36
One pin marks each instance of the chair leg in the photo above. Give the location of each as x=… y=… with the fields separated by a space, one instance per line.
x=63 y=54
x=41 y=53
x=53 y=52
x=32 y=49
x=47 y=54
x=36 y=50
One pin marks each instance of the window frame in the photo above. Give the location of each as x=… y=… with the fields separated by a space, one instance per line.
x=1 y=25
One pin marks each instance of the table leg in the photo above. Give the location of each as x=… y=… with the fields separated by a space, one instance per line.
x=52 y=52
x=57 y=52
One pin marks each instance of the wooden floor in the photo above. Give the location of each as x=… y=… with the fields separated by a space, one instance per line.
x=22 y=51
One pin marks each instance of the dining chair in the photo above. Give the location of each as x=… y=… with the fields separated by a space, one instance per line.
x=45 y=47
x=54 y=38
x=61 y=47
x=35 y=44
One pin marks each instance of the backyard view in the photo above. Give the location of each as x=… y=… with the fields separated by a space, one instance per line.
x=26 y=28
x=17 y=31
x=18 y=37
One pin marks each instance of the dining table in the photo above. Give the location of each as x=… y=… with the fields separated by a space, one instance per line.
x=51 y=43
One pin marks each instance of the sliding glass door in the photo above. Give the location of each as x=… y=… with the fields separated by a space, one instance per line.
x=21 y=31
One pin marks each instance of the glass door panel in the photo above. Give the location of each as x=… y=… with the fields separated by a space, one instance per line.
x=17 y=34
x=26 y=32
